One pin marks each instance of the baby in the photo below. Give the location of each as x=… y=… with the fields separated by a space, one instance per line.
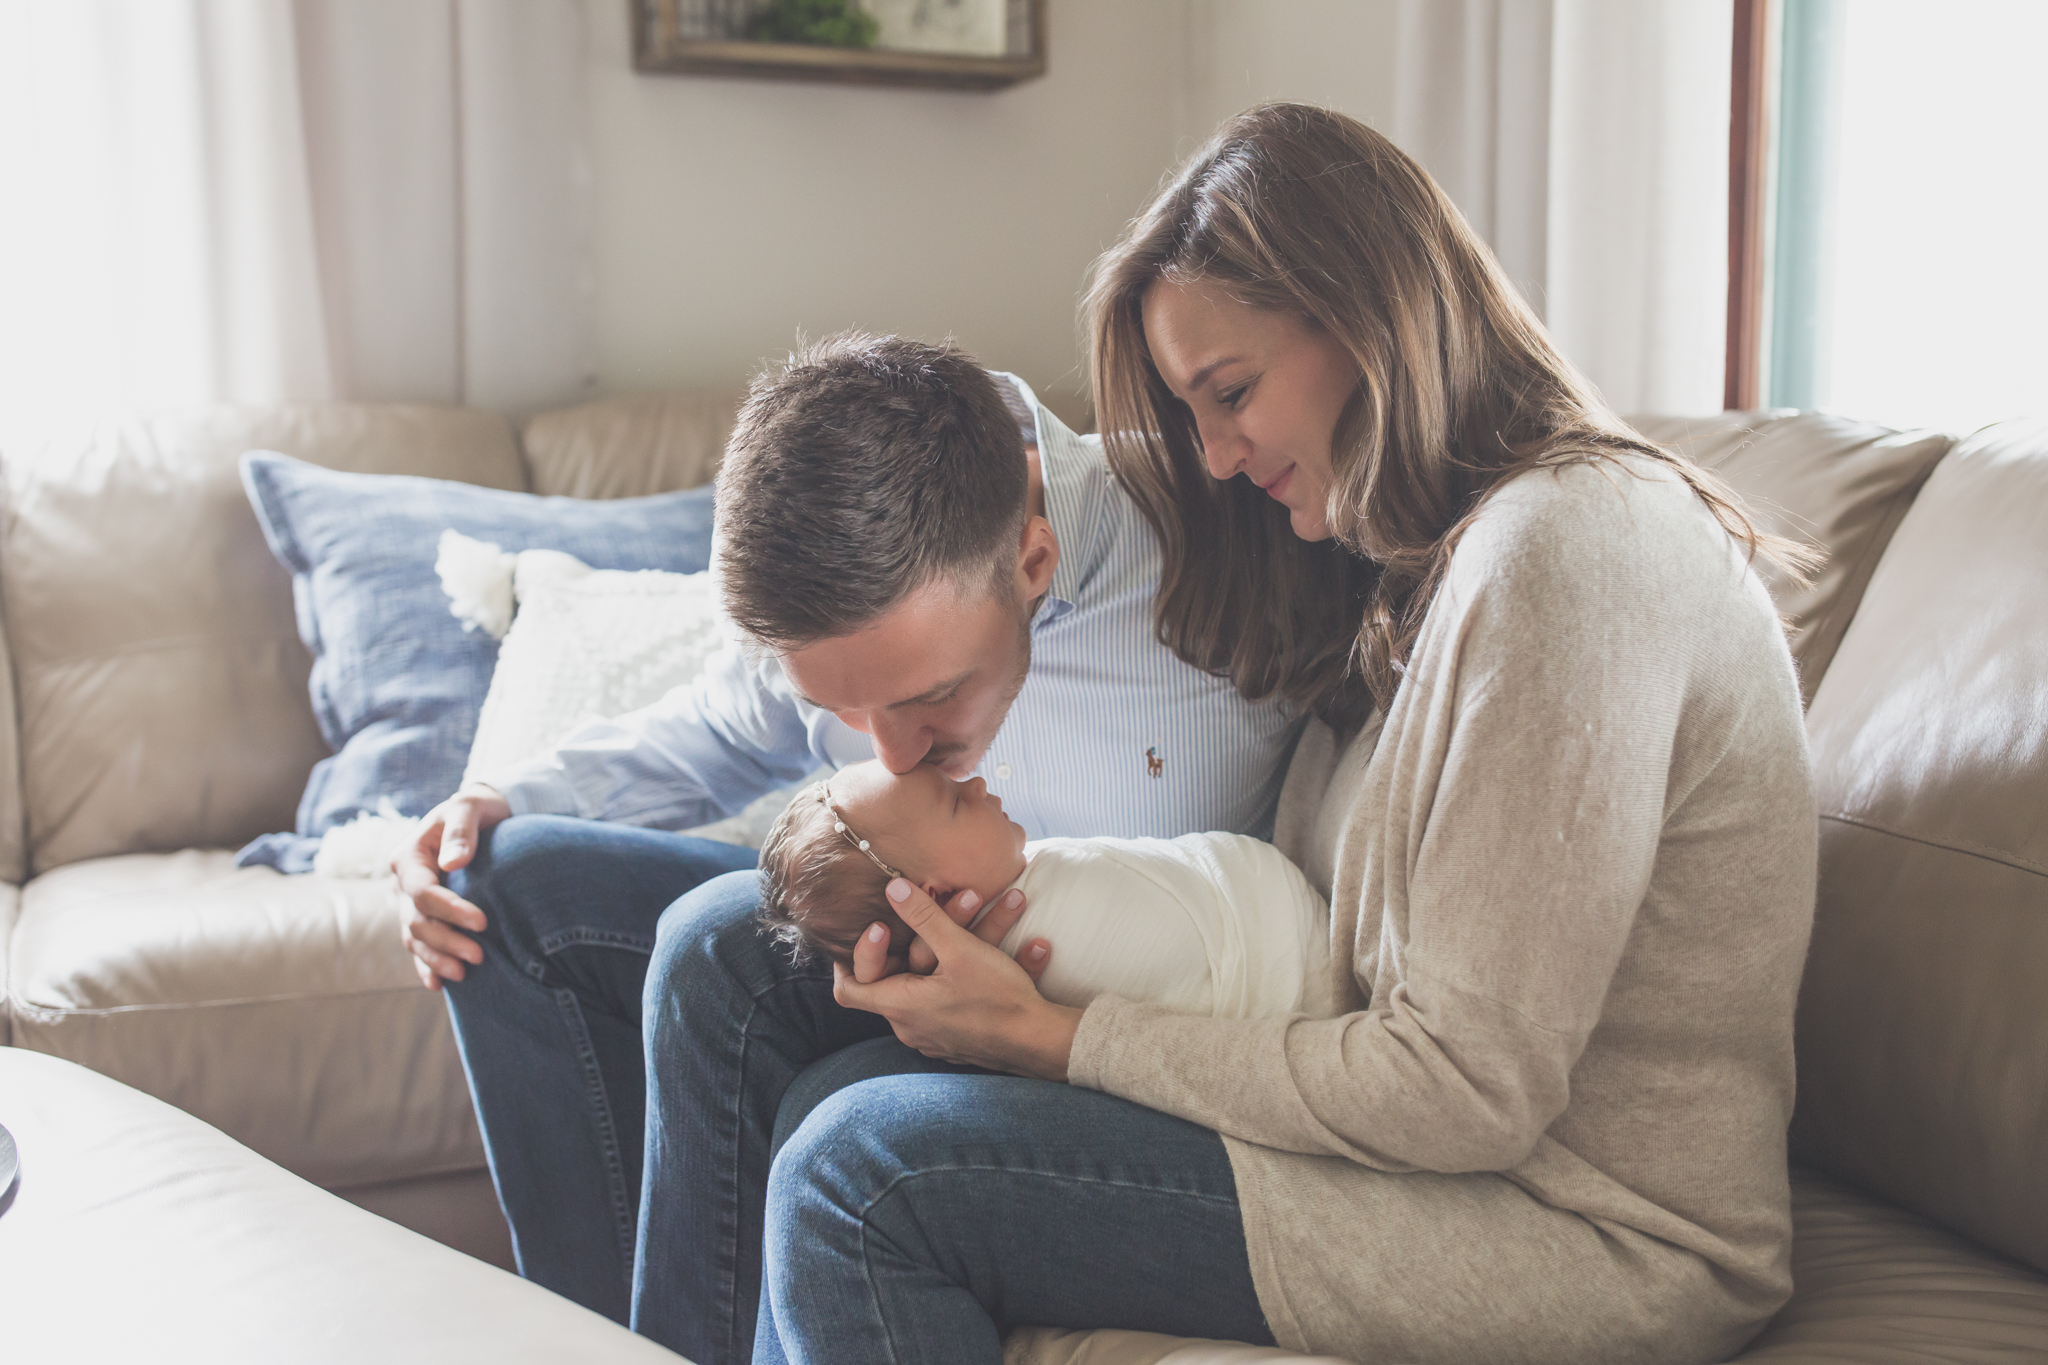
x=1206 y=924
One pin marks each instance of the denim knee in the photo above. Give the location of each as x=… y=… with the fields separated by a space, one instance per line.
x=513 y=858
x=706 y=941
x=511 y=851
x=840 y=1157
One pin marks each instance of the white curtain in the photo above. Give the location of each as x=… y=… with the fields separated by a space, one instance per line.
x=1587 y=140
x=264 y=201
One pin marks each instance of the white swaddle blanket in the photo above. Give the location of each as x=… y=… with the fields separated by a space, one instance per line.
x=1207 y=924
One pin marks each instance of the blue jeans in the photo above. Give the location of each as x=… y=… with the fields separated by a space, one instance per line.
x=549 y=1030
x=916 y=1218
x=630 y=1039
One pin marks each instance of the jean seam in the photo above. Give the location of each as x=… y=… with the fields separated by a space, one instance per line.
x=731 y=1117
x=728 y=1212
x=584 y=936
x=607 y=1129
x=909 y=1176
x=868 y=1228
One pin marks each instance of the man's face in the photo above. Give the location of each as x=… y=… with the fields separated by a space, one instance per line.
x=931 y=680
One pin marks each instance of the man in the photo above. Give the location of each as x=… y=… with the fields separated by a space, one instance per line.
x=917 y=586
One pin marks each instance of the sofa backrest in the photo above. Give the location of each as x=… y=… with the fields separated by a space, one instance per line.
x=1923 y=1017
x=162 y=684
x=630 y=445
x=1841 y=485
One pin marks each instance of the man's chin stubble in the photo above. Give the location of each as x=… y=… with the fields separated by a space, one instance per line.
x=956 y=760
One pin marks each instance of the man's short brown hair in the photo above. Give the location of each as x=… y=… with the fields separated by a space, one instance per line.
x=861 y=470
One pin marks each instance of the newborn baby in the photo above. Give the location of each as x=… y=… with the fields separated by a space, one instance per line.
x=1206 y=924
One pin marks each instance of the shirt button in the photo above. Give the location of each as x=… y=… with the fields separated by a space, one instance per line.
x=1002 y=770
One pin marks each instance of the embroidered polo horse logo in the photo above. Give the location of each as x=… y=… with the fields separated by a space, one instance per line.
x=1155 y=766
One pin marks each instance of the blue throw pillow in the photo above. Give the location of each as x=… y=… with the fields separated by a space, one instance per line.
x=397 y=682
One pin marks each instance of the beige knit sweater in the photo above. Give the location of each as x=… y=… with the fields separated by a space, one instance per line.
x=1571 y=879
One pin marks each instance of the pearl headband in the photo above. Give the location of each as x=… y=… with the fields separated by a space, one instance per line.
x=839 y=825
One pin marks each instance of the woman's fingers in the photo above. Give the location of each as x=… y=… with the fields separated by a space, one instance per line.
x=871 y=954
x=996 y=925
x=961 y=909
x=927 y=919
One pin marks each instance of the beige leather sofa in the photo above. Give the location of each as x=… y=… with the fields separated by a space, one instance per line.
x=153 y=717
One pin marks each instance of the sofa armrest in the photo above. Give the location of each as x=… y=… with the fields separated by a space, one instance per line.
x=222 y=1257
x=10 y=910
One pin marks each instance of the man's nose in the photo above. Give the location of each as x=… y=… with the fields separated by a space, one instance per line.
x=900 y=747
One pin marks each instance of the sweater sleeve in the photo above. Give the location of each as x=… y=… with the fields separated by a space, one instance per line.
x=1502 y=846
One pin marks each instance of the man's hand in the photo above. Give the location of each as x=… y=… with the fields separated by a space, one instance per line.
x=438 y=923
x=977 y=1006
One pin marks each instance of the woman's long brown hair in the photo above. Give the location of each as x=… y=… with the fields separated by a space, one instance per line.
x=1303 y=211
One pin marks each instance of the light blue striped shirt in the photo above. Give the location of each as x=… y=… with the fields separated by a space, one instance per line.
x=1102 y=700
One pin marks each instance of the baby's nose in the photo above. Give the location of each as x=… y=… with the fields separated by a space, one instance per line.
x=977 y=786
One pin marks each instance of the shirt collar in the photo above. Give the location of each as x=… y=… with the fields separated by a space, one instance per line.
x=1073 y=475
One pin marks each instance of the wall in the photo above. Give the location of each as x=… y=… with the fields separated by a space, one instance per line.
x=729 y=215
x=1338 y=53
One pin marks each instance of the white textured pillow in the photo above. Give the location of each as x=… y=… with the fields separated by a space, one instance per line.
x=587 y=644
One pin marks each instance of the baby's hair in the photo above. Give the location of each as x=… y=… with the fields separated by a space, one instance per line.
x=822 y=892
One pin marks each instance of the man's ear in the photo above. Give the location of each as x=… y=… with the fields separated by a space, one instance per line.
x=1038 y=554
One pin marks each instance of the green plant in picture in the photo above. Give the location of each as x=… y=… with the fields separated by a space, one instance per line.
x=827 y=23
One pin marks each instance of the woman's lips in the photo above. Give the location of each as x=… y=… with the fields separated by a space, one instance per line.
x=1279 y=485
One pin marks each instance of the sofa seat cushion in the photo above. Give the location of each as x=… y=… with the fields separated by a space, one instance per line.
x=138 y=1233
x=1876 y=1285
x=279 y=1009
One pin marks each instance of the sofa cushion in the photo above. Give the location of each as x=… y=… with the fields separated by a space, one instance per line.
x=629 y=446
x=397 y=680
x=1874 y=1285
x=162 y=682
x=138 y=1233
x=1113 y=1346
x=1828 y=481
x=1877 y=1286
x=280 y=1009
x=1923 y=1017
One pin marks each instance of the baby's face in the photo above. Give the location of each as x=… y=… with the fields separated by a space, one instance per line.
x=947 y=836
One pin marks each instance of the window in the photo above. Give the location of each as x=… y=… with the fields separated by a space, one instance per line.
x=1906 y=233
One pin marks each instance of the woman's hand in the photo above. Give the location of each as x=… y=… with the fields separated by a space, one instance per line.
x=995 y=926
x=977 y=1005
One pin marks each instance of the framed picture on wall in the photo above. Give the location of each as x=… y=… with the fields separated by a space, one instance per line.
x=956 y=44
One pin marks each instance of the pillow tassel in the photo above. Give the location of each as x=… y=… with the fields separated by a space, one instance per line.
x=477 y=576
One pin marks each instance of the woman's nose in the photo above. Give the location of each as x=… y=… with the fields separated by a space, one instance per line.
x=1223 y=450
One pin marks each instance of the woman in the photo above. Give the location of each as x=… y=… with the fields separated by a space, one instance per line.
x=1556 y=789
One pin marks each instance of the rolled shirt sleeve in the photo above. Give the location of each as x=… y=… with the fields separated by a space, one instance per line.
x=699 y=754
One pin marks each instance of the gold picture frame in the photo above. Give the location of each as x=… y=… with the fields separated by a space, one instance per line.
x=706 y=38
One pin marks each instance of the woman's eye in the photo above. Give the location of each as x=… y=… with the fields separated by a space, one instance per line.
x=1231 y=399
